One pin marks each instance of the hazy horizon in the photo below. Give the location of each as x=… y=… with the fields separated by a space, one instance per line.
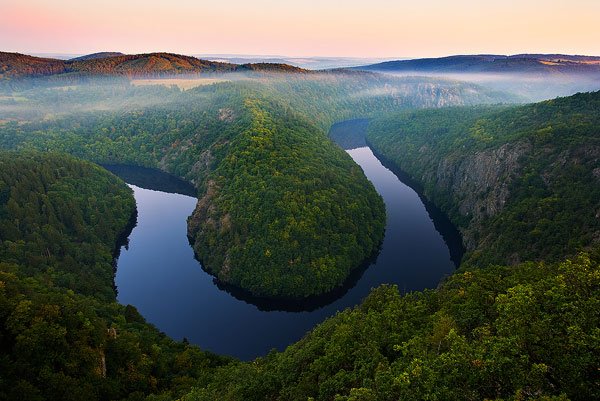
x=67 y=55
x=386 y=29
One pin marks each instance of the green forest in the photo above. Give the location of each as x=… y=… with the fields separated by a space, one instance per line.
x=521 y=332
x=283 y=212
x=289 y=207
x=197 y=136
x=520 y=182
x=63 y=336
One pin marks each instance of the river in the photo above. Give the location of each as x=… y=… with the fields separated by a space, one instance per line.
x=158 y=274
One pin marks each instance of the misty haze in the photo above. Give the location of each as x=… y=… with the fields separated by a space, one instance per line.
x=332 y=201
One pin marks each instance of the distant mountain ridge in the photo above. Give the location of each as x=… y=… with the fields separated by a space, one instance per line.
x=16 y=65
x=490 y=63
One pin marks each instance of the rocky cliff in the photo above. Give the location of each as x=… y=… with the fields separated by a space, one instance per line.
x=520 y=183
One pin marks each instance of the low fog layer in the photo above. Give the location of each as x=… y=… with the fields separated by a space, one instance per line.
x=529 y=87
x=363 y=93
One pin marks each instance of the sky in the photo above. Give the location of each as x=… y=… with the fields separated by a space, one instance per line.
x=353 y=28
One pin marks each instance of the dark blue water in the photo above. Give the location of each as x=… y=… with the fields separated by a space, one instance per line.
x=159 y=275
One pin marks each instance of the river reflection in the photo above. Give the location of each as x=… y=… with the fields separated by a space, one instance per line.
x=157 y=273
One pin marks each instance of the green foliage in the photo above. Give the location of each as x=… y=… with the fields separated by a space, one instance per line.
x=522 y=182
x=264 y=171
x=54 y=223
x=523 y=332
x=62 y=335
x=283 y=212
x=293 y=214
x=287 y=212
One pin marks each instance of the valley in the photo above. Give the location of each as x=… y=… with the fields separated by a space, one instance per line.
x=295 y=264
x=158 y=259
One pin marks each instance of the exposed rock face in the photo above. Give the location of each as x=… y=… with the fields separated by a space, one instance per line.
x=226 y=114
x=480 y=182
x=203 y=212
x=480 y=185
x=202 y=166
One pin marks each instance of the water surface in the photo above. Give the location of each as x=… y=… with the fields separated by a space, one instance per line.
x=157 y=272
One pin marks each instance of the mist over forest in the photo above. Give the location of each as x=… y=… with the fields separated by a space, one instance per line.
x=504 y=150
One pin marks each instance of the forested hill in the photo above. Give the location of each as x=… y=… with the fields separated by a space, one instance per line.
x=15 y=65
x=275 y=193
x=522 y=332
x=63 y=336
x=522 y=183
x=526 y=332
x=283 y=212
x=540 y=64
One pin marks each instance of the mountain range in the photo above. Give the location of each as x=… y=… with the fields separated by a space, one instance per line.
x=488 y=63
x=16 y=65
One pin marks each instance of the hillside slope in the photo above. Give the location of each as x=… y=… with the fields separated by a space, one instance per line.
x=526 y=332
x=282 y=211
x=523 y=332
x=146 y=65
x=63 y=336
x=15 y=65
x=273 y=191
x=522 y=183
x=519 y=332
x=97 y=55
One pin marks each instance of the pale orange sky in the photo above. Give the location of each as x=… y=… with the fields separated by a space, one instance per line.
x=373 y=28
